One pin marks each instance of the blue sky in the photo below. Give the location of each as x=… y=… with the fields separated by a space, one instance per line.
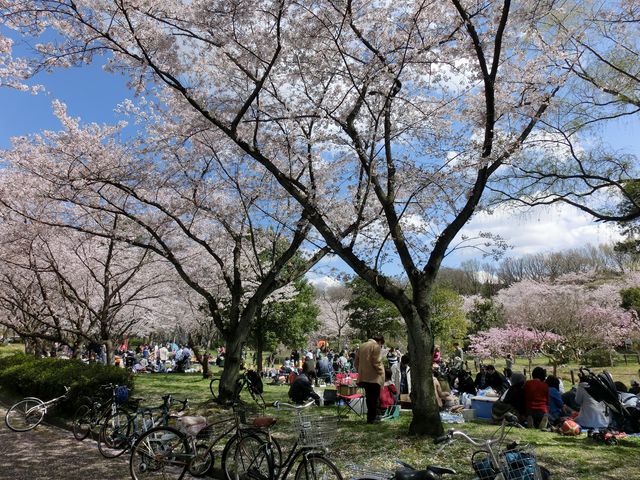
x=92 y=94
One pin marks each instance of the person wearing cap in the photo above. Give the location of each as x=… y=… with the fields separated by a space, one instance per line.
x=368 y=362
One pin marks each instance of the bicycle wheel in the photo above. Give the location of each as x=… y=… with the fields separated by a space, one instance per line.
x=162 y=452
x=113 y=440
x=226 y=461
x=202 y=463
x=82 y=422
x=316 y=466
x=213 y=386
x=251 y=460
x=25 y=415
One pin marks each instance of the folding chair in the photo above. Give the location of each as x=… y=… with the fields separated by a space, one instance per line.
x=344 y=404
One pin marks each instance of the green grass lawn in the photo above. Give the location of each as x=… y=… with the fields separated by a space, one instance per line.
x=377 y=446
x=10 y=349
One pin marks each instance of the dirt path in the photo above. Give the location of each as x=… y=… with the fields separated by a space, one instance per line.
x=51 y=453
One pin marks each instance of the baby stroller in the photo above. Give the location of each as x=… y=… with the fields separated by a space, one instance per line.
x=626 y=418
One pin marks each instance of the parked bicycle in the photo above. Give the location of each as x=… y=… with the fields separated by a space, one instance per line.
x=122 y=428
x=256 y=459
x=90 y=417
x=248 y=422
x=249 y=379
x=168 y=452
x=495 y=459
x=29 y=412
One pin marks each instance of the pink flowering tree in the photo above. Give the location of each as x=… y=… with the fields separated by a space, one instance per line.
x=73 y=288
x=586 y=313
x=385 y=123
x=183 y=196
x=497 y=342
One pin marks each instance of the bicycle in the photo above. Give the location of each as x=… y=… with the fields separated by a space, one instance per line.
x=123 y=427
x=498 y=460
x=29 y=412
x=249 y=379
x=494 y=460
x=168 y=452
x=88 y=418
x=247 y=423
x=254 y=458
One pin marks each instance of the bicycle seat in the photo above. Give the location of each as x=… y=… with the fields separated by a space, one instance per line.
x=264 y=422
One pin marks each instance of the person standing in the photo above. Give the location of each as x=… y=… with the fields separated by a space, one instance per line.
x=368 y=362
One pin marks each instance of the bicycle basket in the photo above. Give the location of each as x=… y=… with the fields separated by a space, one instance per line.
x=316 y=430
x=520 y=464
x=483 y=466
x=121 y=394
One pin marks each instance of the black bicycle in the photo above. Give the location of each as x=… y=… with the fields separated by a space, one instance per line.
x=121 y=429
x=256 y=459
x=90 y=416
x=249 y=379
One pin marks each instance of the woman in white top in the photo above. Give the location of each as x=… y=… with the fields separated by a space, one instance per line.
x=592 y=414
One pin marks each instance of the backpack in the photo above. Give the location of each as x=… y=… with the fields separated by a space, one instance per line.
x=254 y=382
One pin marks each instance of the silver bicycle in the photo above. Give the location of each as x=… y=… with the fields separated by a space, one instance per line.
x=29 y=412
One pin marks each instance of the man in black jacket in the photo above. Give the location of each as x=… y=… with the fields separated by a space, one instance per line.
x=301 y=390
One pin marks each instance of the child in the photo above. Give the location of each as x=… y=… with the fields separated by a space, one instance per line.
x=389 y=392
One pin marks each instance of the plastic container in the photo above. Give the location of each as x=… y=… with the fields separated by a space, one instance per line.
x=482 y=406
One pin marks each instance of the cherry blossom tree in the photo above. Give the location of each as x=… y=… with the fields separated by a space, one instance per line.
x=14 y=72
x=73 y=288
x=332 y=301
x=386 y=123
x=497 y=342
x=182 y=195
x=586 y=313
x=605 y=86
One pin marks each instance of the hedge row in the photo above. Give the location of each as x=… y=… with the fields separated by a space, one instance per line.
x=25 y=375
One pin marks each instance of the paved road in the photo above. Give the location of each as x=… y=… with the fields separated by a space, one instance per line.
x=52 y=453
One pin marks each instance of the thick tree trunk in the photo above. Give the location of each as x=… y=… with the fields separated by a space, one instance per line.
x=231 y=371
x=426 y=415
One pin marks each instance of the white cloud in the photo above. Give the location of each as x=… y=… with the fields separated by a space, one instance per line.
x=537 y=230
x=321 y=282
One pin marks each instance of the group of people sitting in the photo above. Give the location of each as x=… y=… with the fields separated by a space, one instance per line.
x=163 y=358
x=319 y=366
x=542 y=403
